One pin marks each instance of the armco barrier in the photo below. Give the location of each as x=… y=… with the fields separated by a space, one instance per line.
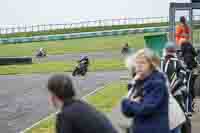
x=83 y=35
x=15 y=60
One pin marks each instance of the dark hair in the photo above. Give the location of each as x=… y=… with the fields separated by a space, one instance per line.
x=61 y=86
x=183 y=19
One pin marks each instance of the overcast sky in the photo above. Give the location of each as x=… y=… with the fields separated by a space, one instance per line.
x=62 y=11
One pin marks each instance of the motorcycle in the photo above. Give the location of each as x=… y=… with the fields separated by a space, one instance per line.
x=80 y=69
x=124 y=51
x=41 y=54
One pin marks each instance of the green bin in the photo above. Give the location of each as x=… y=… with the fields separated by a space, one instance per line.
x=156 y=42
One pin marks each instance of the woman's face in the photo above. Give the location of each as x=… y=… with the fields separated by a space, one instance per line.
x=142 y=67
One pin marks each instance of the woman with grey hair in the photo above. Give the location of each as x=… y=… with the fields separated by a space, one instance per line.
x=149 y=103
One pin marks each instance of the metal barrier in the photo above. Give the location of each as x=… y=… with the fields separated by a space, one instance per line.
x=15 y=60
x=83 y=24
x=87 y=24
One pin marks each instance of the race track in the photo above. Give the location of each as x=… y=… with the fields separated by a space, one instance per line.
x=24 y=97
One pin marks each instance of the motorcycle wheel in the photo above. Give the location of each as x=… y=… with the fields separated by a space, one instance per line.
x=84 y=71
x=75 y=72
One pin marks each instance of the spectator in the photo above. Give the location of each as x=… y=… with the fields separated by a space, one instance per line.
x=182 y=31
x=188 y=54
x=177 y=77
x=176 y=73
x=76 y=116
x=147 y=103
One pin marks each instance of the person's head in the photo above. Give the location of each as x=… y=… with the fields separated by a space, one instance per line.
x=61 y=89
x=183 y=20
x=126 y=45
x=83 y=57
x=41 y=49
x=143 y=62
x=170 y=49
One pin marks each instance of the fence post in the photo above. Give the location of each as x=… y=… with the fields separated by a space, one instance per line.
x=13 y=30
x=38 y=28
x=44 y=26
x=70 y=26
x=25 y=30
x=65 y=25
x=99 y=23
x=6 y=30
x=18 y=29
x=50 y=27
x=82 y=24
x=32 y=28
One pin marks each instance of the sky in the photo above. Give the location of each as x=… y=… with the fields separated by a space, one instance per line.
x=21 y=12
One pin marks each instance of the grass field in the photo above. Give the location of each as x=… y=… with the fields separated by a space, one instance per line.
x=83 y=29
x=111 y=43
x=104 y=100
x=96 y=65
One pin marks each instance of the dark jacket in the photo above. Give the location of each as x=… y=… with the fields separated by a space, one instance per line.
x=151 y=114
x=176 y=73
x=189 y=54
x=177 y=76
x=79 y=117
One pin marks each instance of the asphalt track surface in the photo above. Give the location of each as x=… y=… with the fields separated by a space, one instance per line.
x=24 y=98
x=75 y=57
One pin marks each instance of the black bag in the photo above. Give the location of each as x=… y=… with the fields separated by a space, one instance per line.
x=187 y=126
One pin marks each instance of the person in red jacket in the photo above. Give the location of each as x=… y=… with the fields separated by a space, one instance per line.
x=182 y=31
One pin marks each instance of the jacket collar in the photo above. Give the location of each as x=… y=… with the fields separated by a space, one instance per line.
x=68 y=102
x=150 y=75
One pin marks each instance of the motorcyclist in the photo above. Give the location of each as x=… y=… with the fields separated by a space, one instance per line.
x=82 y=66
x=41 y=52
x=125 y=49
x=84 y=63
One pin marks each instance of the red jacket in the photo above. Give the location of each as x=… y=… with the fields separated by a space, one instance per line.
x=182 y=33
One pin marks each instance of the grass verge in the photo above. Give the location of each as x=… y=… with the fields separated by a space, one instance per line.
x=109 y=43
x=96 y=65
